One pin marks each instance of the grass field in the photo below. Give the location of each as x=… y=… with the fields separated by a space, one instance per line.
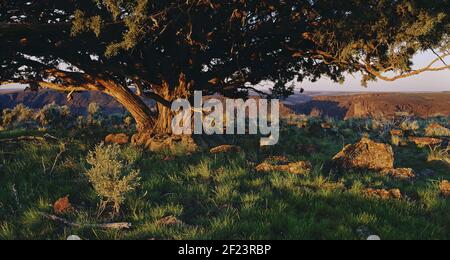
x=219 y=196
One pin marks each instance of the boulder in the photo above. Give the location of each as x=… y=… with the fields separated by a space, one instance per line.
x=117 y=139
x=401 y=173
x=444 y=186
x=326 y=126
x=384 y=194
x=365 y=154
x=297 y=168
x=225 y=149
x=425 y=141
x=62 y=206
x=183 y=144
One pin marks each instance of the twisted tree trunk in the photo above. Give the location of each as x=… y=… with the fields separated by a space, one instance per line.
x=134 y=104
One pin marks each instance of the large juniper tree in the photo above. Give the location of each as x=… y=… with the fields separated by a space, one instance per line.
x=167 y=49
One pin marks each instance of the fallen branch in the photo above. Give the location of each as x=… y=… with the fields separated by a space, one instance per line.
x=29 y=139
x=117 y=226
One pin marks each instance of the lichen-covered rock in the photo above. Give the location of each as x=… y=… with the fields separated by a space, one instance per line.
x=277 y=160
x=445 y=188
x=176 y=144
x=401 y=173
x=384 y=194
x=365 y=154
x=62 y=206
x=425 y=141
x=298 y=168
x=117 y=139
x=225 y=149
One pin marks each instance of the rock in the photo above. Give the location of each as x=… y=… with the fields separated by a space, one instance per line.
x=437 y=130
x=277 y=160
x=117 y=139
x=366 y=154
x=73 y=238
x=374 y=238
x=62 y=206
x=225 y=149
x=397 y=132
x=401 y=173
x=177 y=144
x=425 y=141
x=326 y=126
x=384 y=194
x=445 y=188
x=298 y=168
x=170 y=221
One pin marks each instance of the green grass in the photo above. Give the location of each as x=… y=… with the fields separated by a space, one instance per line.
x=221 y=196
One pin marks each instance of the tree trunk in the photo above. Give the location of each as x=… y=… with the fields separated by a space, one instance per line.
x=163 y=124
x=150 y=126
x=137 y=108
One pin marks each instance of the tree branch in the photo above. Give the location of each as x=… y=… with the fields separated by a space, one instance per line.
x=369 y=68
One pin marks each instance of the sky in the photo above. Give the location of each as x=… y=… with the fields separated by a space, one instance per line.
x=425 y=82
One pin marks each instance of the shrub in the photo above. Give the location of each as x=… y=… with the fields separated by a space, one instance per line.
x=410 y=125
x=316 y=113
x=112 y=175
x=53 y=115
x=439 y=154
x=396 y=140
x=128 y=121
x=95 y=116
x=436 y=130
x=17 y=117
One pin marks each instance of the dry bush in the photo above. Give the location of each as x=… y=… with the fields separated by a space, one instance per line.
x=128 y=121
x=410 y=125
x=53 y=115
x=112 y=174
x=316 y=113
x=436 y=130
x=396 y=140
x=95 y=116
x=17 y=117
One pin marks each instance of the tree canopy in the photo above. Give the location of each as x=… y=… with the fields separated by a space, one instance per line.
x=167 y=49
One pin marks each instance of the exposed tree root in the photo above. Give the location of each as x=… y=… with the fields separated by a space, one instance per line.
x=122 y=225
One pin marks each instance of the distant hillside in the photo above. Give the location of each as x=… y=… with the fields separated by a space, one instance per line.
x=379 y=104
x=340 y=105
x=79 y=104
